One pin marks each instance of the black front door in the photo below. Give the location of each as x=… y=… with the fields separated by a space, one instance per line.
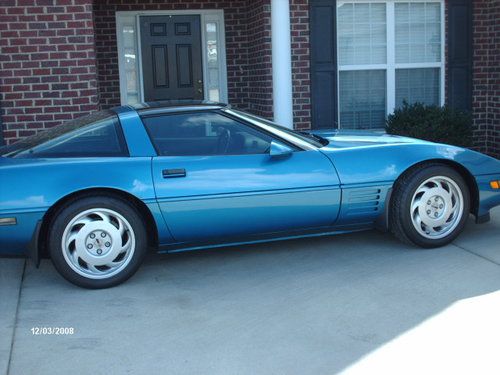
x=171 y=57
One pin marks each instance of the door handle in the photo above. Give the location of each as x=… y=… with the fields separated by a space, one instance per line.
x=172 y=173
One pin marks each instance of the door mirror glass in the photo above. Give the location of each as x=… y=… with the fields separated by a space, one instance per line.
x=279 y=150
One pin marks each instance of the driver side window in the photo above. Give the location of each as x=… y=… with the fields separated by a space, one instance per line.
x=204 y=134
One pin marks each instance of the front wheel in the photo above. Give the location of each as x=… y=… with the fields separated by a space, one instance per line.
x=97 y=241
x=430 y=206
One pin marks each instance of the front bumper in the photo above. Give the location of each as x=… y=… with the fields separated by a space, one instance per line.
x=488 y=197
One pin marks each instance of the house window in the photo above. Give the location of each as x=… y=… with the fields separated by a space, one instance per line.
x=130 y=62
x=388 y=52
x=212 y=61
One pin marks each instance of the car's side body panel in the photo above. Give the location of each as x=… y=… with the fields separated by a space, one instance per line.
x=363 y=203
x=226 y=196
x=14 y=239
x=138 y=142
x=385 y=162
x=488 y=198
x=34 y=185
x=378 y=160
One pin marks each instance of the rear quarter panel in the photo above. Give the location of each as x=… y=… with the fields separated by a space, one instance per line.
x=29 y=187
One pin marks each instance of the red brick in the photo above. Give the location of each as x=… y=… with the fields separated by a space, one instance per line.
x=486 y=90
x=27 y=32
x=66 y=39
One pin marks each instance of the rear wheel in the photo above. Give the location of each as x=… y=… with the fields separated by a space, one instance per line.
x=430 y=206
x=97 y=241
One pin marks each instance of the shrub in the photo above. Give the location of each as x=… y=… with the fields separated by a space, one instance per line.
x=431 y=123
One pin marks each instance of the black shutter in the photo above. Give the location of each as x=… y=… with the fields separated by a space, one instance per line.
x=323 y=43
x=460 y=54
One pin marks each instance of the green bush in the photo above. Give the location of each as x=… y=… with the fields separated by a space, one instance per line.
x=432 y=123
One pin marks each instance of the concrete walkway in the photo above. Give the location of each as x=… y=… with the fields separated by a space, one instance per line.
x=352 y=304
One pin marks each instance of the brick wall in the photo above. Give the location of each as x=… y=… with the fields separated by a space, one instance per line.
x=493 y=137
x=486 y=80
x=299 y=25
x=59 y=58
x=248 y=51
x=260 y=70
x=480 y=73
x=246 y=24
x=236 y=51
x=47 y=64
x=48 y=60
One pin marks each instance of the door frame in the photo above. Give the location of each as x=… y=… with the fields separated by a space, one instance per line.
x=132 y=18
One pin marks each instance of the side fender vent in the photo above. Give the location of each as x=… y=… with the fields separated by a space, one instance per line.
x=362 y=202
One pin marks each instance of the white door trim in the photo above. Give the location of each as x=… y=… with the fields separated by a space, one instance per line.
x=131 y=18
x=281 y=63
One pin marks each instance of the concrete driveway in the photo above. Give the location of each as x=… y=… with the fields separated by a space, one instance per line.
x=354 y=304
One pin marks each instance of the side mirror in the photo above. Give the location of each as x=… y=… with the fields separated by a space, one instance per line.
x=279 y=150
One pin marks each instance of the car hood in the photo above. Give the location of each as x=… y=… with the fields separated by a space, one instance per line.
x=374 y=156
x=354 y=138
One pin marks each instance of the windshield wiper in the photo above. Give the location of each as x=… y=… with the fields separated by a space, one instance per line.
x=317 y=138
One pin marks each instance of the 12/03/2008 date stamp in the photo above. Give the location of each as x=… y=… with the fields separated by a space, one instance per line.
x=36 y=331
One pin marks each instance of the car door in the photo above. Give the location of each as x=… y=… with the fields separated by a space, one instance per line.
x=215 y=179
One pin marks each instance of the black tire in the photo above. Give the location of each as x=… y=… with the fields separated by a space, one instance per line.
x=72 y=209
x=404 y=190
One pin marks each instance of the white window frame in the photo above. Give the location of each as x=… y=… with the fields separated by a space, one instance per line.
x=206 y=16
x=391 y=65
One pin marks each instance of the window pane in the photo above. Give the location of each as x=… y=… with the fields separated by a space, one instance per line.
x=94 y=135
x=204 y=134
x=212 y=61
x=418 y=32
x=362 y=34
x=362 y=99
x=130 y=61
x=417 y=85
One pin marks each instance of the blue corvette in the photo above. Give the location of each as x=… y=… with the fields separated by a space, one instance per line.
x=96 y=193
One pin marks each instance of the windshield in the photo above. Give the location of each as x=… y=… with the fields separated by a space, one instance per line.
x=310 y=139
x=96 y=134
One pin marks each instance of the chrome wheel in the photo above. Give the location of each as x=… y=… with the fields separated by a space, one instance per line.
x=437 y=207
x=98 y=243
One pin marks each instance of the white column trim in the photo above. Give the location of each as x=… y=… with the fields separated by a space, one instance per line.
x=281 y=62
x=391 y=58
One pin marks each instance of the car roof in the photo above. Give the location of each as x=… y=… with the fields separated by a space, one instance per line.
x=165 y=106
x=168 y=106
x=176 y=103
